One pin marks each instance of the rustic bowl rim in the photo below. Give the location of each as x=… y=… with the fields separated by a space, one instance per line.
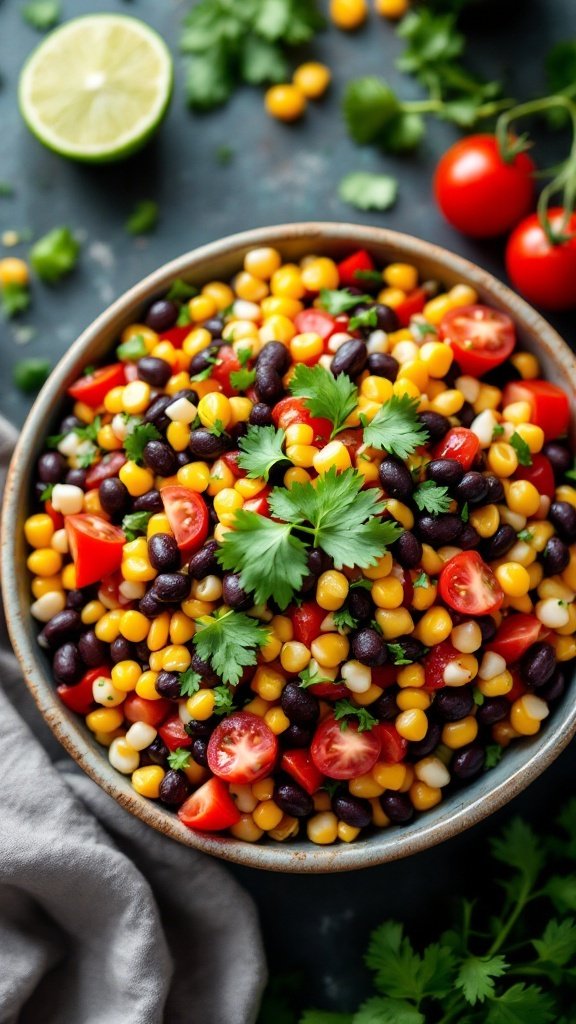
x=517 y=769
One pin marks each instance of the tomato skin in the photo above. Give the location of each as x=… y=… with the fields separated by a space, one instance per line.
x=316 y=321
x=540 y=473
x=469 y=586
x=384 y=676
x=436 y=661
x=93 y=387
x=306 y=622
x=542 y=272
x=549 y=403
x=107 y=468
x=176 y=335
x=95 y=545
x=348 y=268
x=56 y=517
x=329 y=691
x=153 y=712
x=518 y=688
x=476 y=350
x=79 y=698
x=188 y=517
x=173 y=733
x=259 y=504
x=352 y=439
x=393 y=746
x=514 y=636
x=481 y=194
x=228 y=363
x=231 y=460
x=292 y=410
x=242 y=749
x=210 y=808
x=413 y=303
x=300 y=766
x=460 y=444
x=344 y=753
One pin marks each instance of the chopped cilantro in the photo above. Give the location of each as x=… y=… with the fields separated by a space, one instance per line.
x=431 y=498
x=397 y=652
x=365 y=318
x=525 y=535
x=493 y=756
x=343 y=619
x=135 y=524
x=181 y=291
x=136 y=441
x=47 y=492
x=132 y=350
x=309 y=676
x=464 y=512
x=55 y=255
x=229 y=642
x=179 y=758
x=217 y=428
x=396 y=427
x=223 y=700
x=345 y=709
x=143 y=218
x=260 y=450
x=14 y=299
x=242 y=379
x=337 y=301
x=497 y=431
x=368 y=191
x=423 y=580
x=521 y=448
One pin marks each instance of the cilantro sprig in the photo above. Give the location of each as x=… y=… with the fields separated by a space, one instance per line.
x=396 y=427
x=135 y=524
x=432 y=498
x=189 y=682
x=229 y=642
x=179 y=759
x=344 y=710
x=136 y=441
x=325 y=395
x=340 y=300
x=260 y=450
x=521 y=448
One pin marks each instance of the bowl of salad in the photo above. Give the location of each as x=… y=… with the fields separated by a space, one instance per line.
x=289 y=547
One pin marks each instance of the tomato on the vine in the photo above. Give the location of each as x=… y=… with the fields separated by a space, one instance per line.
x=543 y=272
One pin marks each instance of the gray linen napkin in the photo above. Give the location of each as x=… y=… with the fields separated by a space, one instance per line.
x=103 y=920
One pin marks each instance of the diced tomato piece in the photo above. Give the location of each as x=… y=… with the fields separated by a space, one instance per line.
x=227 y=363
x=316 y=321
x=469 y=586
x=413 y=303
x=348 y=268
x=95 y=545
x=549 y=404
x=92 y=388
x=56 y=517
x=514 y=636
x=79 y=698
x=259 y=504
x=460 y=444
x=108 y=467
x=306 y=622
x=300 y=766
x=176 y=335
x=393 y=746
x=352 y=439
x=344 y=753
x=436 y=661
x=188 y=517
x=384 y=675
x=153 y=712
x=231 y=460
x=210 y=808
x=518 y=688
x=173 y=733
x=293 y=410
x=540 y=473
x=329 y=691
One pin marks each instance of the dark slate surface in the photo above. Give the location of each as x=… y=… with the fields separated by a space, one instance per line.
x=278 y=174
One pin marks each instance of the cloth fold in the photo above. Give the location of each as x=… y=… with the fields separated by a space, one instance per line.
x=103 y=920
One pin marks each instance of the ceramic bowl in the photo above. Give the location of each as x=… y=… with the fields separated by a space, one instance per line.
x=523 y=761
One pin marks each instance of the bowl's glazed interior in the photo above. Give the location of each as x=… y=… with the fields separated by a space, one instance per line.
x=522 y=762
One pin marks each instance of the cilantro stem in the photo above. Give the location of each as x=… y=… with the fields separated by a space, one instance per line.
x=523 y=899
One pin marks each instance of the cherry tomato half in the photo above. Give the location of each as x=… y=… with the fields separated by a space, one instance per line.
x=480 y=337
x=543 y=272
x=176 y=335
x=79 y=698
x=95 y=546
x=460 y=444
x=413 y=303
x=226 y=364
x=173 y=733
x=435 y=664
x=293 y=410
x=348 y=268
x=242 y=748
x=469 y=586
x=307 y=622
x=480 y=193
x=393 y=745
x=210 y=808
x=105 y=469
x=344 y=753
x=93 y=387
x=300 y=766
x=514 y=636
x=153 y=712
x=540 y=473
x=549 y=404
x=315 y=321
x=188 y=517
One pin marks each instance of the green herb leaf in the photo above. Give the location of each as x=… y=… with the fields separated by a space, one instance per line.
x=421 y=581
x=132 y=350
x=229 y=642
x=135 y=524
x=243 y=355
x=90 y=431
x=340 y=300
x=525 y=535
x=497 y=431
x=210 y=78
x=42 y=14
x=431 y=498
x=179 y=758
x=369 y=192
x=365 y=318
x=189 y=682
x=521 y=448
x=400 y=972
x=521 y=1004
x=270 y=560
x=518 y=847
x=326 y=396
x=396 y=427
x=136 y=441
x=382 y=1010
x=310 y=676
x=343 y=619
x=476 y=977
x=217 y=428
x=344 y=709
x=464 y=512
x=262 y=62
x=242 y=379
x=397 y=652
x=494 y=754
x=369 y=107
x=562 y=891
x=87 y=458
x=558 y=942
x=223 y=700
x=55 y=255
x=30 y=374
x=260 y=450
x=14 y=299
x=47 y=492
x=143 y=218
x=181 y=291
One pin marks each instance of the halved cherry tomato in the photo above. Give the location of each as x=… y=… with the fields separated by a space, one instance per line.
x=348 y=268
x=540 y=473
x=293 y=410
x=242 y=748
x=210 y=808
x=173 y=733
x=93 y=387
x=436 y=661
x=95 y=546
x=460 y=444
x=79 y=698
x=259 y=504
x=307 y=621
x=315 y=321
x=344 y=753
x=226 y=364
x=413 y=303
x=480 y=337
x=549 y=404
x=514 y=636
x=231 y=460
x=188 y=517
x=153 y=712
x=56 y=517
x=469 y=586
x=176 y=335
x=301 y=767
x=393 y=745
x=105 y=469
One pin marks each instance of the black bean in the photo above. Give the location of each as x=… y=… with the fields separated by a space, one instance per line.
x=487 y=627
x=380 y=364
x=555 y=557
x=385 y=708
x=182 y=458
x=451 y=703
x=162 y=315
x=214 y=325
x=501 y=375
x=156 y=412
x=268 y=383
x=360 y=604
x=439 y=530
x=554 y=688
x=261 y=415
x=142 y=651
x=65 y=625
x=154 y=371
x=76 y=599
x=160 y=458
x=436 y=424
x=240 y=430
x=92 y=650
x=158 y=752
x=407 y=550
x=77 y=477
x=294 y=800
x=301 y=707
x=396 y=478
x=495 y=492
x=559 y=457
x=203 y=668
x=468 y=762
x=319 y=561
x=412 y=649
x=168 y=684
x=174 y=788
x=499 y=543
x=296 y=736
x=387 y=318
x=201 y=730
x=173 y=587
x=447 y=472
x=538 y=664
x=274 y=354
x=188 y=394
x=466 y=414
x=114 y=497
x=233 y=594
x=70 y=423
x=351 y=358
x=369 y=647
x=151 y=605
x=204 y=562
x=149 y=502
x=494 y=709
x=163 y=552
x=51 y=467
x=469 y=538
x=204 y=360
x=425 y=747
x=562 y=515
x=397 y=807
x=200 y=752
x=352 y=809
x=472 y=488
x=121 y=650
x=67 y=665
x=205 y=445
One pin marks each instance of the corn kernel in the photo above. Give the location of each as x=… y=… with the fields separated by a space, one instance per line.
x=459 y=734
x=412 y=725
x=201 y=705
x=322 y=828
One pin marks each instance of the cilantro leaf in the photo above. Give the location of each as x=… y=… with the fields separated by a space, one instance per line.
x=497 y=431
x=525 y=535
x=398 y=654
x=337 y=301
x=179 y=758
x=309 y=676
x=47 y=492
x=136 y=441
x=369 y=107
x=423 y=580
x=271 y=562
x=400 y=972
x=464 y=512
x=521 y=1004
x=365 y=318
x=242 y=379
x=189 y=682
x=262 y=62
x=343 y=709
x=243 y=355
x=519 y=848
x=521 y=448
x=135 y=524
x=325 y=395
x=396 y=427
x=90 y=431
x=132 y=350
x=143 y=219
x=431 y=498
x=261 y=449
x=476 y=977
x=14 y=299
x=368 y=191
x=562 y=891
x=42 y=14
x=343 y=619
x=229 y=642
x=55 y=255
x=181 y=291
x=381 y=1010
x=223 y=700
x=557 y=944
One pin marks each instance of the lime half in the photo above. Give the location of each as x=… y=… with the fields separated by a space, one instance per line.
x=97 y=87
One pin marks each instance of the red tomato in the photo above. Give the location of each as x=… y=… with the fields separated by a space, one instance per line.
x=480 y=193
x=480 y=337
x=469 y=586
x=95 y=545
x=436 y=661
x=352 y=439
x=79 y=698
x=306 y=622
x=259 y=504
x=348 y=268
x=227 y=363
x=301 y=767
x=518 y=688
x=56 y=517
x=540 y=473
x=153 y=712
x=176 y=335
x=543 y=272
x=110 y=585
x=231 y=460
x=105 y=469
x=514 y=636
x=460 y=444
x=93 y=387
x=385 y=675
x=210 y=808
x=242 y=748
x=188 y=517
x=549 y=403
x=344 y=753
x=413 y=303
x=329 y=691
x=173 y=733
x=315 y=321
x=293 y=410
x=393 y=745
